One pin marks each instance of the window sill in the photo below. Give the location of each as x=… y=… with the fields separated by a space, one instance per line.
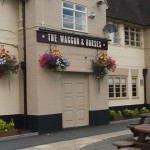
x=115 y=44
x=120 y=98
x=135 y=97
x=133 y=47
x=66 y=29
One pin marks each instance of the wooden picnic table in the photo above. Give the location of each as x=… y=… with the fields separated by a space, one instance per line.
x=143 y=117
x=143 y=130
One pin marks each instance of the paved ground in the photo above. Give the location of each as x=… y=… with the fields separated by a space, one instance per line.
x=86 y=138
x=99 y=142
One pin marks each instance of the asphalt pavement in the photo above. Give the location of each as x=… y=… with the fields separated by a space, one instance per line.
x=83 y=138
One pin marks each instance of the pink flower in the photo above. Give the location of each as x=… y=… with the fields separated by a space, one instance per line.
x=43 y=60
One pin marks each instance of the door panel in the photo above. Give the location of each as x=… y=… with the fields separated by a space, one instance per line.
x=75 y=108
x=68 y=104
x=81 y=103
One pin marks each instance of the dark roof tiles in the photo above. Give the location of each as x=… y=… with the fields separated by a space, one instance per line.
x=134 y=11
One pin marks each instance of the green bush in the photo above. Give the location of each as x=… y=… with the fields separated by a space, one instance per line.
x=144 y=110
x=6 y=126
x=135 y=112
x=127 y=113
x=114 y=114
x=2 y=125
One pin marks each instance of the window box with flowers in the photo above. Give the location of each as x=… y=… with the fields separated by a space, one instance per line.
x=8 y=63
x=101 y=64
x=53 y=60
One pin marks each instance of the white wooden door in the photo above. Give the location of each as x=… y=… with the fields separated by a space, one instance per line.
x=75 y=103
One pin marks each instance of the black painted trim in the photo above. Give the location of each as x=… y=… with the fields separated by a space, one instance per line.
x=45 y=123
x=98 y=117
x=19 y=120
x=41 y=124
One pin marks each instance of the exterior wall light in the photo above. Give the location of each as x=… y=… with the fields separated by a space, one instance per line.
x=100 y=2
x=91 y=14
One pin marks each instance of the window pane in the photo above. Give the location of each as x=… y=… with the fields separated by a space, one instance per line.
x=111 y=94
x=118 y=90
x=132 y=36
x=117 y=81
x=80 y=15
x=117 y=94
x=74 y=16
x=133 y=81
x=127 y=35
x=127 y=38
x=68 y=25
x=133 y=43
x=111 y=87
x=123 y=81
x=68 y=4
x=127 y=42
x=79 y=7
x=111 y=81
x=134 y=93
x=124 y=89
x=138 y=37
x=80 y=27
x=67 y=12
x=138 y=44
x=124 y=95
x=111 y=90
x=80 y=21
x=117 y=87
x=134 y=87
x=67 y=18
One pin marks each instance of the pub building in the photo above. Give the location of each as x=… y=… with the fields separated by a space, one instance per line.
x=70 y=98
x=43 y=99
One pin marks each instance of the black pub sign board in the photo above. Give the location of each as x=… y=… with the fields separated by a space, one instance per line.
x=70 y=39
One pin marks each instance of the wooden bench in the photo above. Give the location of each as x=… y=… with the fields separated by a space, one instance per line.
x=131 y=148
x=143 y=116
x=122 y=144
x=131 y=127
x=143 y=146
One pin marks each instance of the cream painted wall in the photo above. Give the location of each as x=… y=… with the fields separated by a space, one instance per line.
x=130 y=58
x=9 y=85
x=50 y=13
x=44 y=86
x=98 y=93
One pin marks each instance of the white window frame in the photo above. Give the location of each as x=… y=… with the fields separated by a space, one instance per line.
x=120 y=87
x=134 y=37
x=74 y=10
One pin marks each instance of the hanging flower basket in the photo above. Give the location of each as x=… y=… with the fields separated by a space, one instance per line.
x=8 y=63
x=102 y=64
x=53 y=60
